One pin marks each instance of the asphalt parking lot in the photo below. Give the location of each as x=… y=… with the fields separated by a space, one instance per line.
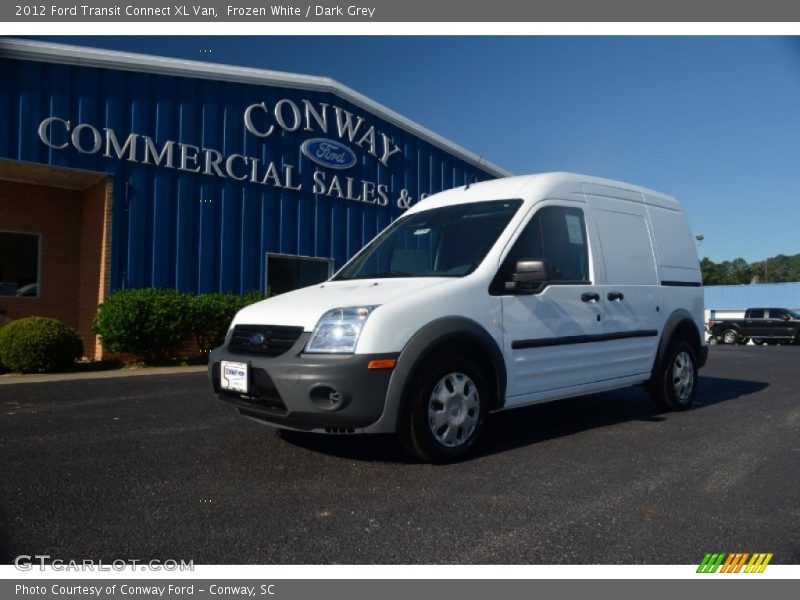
x=156 y=467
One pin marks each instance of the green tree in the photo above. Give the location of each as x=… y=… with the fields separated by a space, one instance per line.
x=775 y=269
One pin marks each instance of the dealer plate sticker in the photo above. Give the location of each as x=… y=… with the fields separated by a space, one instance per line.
x=233 y=376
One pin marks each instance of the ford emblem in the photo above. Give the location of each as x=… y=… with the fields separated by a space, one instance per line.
x=257 y=338
x=329 y=153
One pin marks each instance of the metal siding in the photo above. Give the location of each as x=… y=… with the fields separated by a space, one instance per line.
x=7 y=133
x=29 y=109
x=203 y=233
x=741 y=297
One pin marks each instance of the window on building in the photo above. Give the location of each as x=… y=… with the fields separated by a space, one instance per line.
x=19 y=264
x=556 y=235
x=286 y=273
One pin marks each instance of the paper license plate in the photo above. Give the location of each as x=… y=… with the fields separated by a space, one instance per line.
x=233 y=376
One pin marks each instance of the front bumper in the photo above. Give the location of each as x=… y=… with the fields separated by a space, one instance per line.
x=289 y=390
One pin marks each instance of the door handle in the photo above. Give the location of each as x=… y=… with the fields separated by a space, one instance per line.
x=615 y=296
x=590 y=297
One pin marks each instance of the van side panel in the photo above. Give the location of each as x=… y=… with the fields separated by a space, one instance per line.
x=678 y=265
x=675 y=249
x=625 y=239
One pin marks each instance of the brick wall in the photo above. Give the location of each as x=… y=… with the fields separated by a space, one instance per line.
x=95 y=249
x=74 y=230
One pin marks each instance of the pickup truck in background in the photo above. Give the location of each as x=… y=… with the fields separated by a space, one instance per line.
x=762 y=325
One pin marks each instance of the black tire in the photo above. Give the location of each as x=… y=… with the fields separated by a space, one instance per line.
x=713 y=340
x=742 y=341
x=730 y=336
x=463 y=421
x=669 y=384
x=759 y=341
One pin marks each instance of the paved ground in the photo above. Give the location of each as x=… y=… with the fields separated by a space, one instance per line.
x=15 y=378
x=155 y=467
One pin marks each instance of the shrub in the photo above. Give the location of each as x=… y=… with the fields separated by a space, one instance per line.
x=210 y=315
x=39 y=345
x=150 y=322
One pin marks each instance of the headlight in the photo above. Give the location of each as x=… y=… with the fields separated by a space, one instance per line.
x=338 y=329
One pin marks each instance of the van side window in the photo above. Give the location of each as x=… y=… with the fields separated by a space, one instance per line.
x=556 y=235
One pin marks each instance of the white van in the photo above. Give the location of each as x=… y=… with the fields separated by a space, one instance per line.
x=479 y=299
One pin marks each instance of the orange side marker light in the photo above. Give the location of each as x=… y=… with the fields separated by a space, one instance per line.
x=385 y=363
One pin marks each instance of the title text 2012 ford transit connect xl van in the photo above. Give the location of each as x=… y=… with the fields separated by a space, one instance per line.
x=478 y=299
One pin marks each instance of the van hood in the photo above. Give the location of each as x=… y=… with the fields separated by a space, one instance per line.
x=305 y=306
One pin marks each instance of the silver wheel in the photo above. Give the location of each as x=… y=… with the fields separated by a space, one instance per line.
x=453 y=409
x=730 y=336
x=683 y=376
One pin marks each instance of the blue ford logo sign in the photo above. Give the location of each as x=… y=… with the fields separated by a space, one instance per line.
x=329 y=153
x=257 y=338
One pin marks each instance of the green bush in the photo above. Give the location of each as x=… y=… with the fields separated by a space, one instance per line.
x=150 y=322
x=210 y=315
x=157 y=323
x=39 y=345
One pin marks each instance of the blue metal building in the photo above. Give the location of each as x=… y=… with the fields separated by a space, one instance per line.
x=742 y=297
x=192 y=175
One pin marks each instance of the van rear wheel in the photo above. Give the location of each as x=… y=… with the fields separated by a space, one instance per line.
x=446 y=410
x=674 y=385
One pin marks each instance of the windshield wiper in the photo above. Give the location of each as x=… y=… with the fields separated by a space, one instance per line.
x=387 y=274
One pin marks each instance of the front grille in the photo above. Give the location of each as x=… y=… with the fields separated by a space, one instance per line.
x=263 y=340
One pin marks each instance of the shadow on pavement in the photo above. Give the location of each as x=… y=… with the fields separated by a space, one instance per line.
x=529 y=425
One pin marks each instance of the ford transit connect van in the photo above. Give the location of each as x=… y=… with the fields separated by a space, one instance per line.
x=479 y=299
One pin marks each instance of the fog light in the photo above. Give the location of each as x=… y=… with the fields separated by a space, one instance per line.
x=325 y=397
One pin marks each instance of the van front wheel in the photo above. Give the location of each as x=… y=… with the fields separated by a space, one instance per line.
x=674 y=385
x=446 y=410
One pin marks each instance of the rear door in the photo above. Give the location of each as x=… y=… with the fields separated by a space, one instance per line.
x=631 y=290
x=756 y=324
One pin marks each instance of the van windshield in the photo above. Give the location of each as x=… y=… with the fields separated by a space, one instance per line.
x=450 y=241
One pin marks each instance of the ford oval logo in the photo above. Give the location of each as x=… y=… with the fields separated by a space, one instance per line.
x=257 y=338
x=329 y=153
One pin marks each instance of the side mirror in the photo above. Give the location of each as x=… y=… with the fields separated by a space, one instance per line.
x=786 y=318
x=528 y=277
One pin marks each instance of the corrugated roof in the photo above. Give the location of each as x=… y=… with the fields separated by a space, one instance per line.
x=741 y=297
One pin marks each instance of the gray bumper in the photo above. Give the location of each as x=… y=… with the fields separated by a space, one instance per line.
x=291 y=390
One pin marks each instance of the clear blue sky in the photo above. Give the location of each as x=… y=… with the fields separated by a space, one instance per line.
x=715 y=121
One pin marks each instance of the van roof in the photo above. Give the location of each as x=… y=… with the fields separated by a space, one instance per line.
x=566 y=186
